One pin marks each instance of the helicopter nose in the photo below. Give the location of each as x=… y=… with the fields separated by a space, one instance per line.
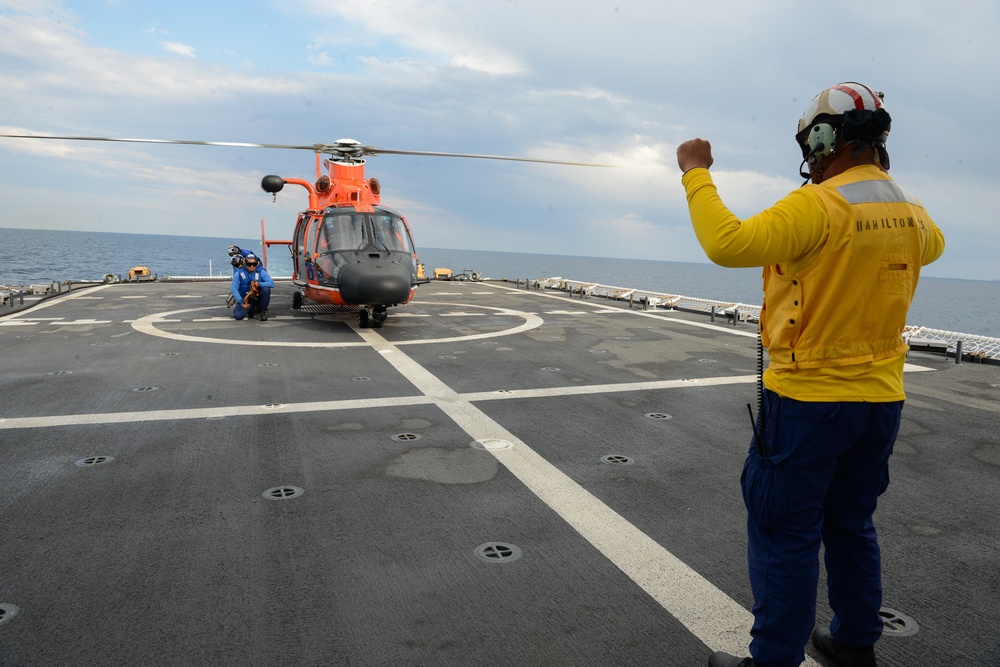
x=375 y=283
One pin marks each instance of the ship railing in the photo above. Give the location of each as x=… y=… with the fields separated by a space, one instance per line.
x=11 y=296
x=951 y=343
x=206 y=279
x=742 y=312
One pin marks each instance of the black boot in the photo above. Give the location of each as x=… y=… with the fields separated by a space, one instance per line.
x=721 y=659
x=842 y=655
x=263 y=314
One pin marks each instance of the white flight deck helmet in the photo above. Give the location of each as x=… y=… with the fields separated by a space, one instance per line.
x=851 y=112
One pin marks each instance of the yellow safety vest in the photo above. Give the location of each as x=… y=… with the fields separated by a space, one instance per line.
x=841 y=263
x=849 y=306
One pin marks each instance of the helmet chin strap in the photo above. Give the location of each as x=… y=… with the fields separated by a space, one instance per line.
x=802 y=171
x=881 y=156
x=817 y=168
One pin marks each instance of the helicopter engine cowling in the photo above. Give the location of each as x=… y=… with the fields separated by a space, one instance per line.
x=272 y=184
x=375 y=283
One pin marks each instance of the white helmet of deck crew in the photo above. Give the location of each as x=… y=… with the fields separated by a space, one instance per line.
x=840 y=115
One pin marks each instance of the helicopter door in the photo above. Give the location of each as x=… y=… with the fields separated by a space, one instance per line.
x=309 y=232
x=298 y=246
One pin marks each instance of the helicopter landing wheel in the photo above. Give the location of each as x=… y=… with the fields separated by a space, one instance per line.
x=363 y=318
x=297 y=300
x=378 y=317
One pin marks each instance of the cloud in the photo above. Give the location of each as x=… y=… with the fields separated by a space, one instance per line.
x=318 y=54
x=178 y=49
x=622 y=83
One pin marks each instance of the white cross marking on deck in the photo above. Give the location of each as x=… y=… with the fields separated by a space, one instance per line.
x=711 y=615
x=707 y=612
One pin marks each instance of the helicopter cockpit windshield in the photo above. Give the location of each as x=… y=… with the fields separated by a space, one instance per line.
x=343 y=233
x=391 y=232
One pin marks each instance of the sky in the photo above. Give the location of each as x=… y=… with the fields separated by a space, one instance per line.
x=620 y=82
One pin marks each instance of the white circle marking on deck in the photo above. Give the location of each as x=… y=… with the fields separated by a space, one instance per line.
x=147 y=325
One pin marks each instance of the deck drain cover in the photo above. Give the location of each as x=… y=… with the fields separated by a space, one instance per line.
x=617 y=459
x=550 y=369
x=61 y=373
x=498 y=552
x=170 y=354
x=146 y=389
x=92 y=461
x=896 y=623
x=271 y=406
x=361 y=378
x=268 y=365
x=7 y=611
x=283 y=493
x=658 y=415
x=447 y=356
x=598 y=351
x=707 y=361
x=405 y=437
x=491 y=444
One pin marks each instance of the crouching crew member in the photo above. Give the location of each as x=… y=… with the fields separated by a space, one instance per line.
x=252 y=289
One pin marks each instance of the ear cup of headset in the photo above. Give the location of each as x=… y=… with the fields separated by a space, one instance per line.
x=821 y=140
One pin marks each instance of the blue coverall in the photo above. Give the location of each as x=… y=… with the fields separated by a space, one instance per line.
x=241 y=286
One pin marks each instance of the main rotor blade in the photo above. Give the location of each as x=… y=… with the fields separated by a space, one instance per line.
x=348 y=149
x=188 y=142
x=371 y=150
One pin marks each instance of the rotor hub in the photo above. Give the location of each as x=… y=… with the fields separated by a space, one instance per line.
x=344 y=150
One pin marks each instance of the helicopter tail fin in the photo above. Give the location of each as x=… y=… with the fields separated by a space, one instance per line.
x=263 y=242
x=266 y=242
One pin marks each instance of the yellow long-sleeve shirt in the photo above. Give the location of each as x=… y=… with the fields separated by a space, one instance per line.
x=841 y=262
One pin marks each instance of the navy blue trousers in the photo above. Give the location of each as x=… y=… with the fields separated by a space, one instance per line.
x=260 y=303
x=818 y=480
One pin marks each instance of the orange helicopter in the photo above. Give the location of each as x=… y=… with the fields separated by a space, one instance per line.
x=347 y=248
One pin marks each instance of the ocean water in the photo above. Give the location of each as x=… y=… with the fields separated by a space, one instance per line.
x=30 y=256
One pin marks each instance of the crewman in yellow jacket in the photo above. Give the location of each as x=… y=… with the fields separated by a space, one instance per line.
x=841 y=260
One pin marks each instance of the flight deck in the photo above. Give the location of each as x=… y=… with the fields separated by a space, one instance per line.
x=498 y=475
